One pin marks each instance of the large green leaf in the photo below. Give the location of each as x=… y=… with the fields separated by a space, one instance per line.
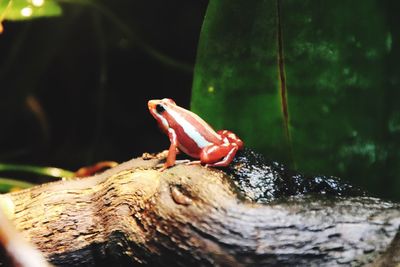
x=28 y=9
x=311 y=83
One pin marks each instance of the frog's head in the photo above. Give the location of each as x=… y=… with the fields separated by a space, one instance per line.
x=159 y=109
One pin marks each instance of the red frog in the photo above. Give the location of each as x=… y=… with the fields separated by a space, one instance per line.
x=193 y=136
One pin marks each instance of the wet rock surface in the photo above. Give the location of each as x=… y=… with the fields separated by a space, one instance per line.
x=263 y=181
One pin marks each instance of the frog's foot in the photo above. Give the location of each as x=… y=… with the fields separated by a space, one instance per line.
x=163 y=166
x=183 y=161
x=193 y=162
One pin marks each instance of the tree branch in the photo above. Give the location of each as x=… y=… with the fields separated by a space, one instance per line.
x=191 y=215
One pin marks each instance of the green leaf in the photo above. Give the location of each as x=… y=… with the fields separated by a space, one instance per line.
x=7 y=184
x=236 y=83
x=28 y=9
x=311 y=83
x=45 y=171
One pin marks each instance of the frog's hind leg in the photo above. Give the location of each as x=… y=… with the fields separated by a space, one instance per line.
x=230 y=137
x=219 y=155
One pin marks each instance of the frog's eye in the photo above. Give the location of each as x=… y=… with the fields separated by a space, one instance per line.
x=160 y=109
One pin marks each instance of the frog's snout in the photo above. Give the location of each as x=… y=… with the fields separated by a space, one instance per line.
x=152 y=104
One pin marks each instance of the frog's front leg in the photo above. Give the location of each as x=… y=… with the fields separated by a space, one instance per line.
x=218 y=155
x=172 y=149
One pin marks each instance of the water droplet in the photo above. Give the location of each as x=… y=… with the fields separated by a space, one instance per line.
x=394 y=124
x=38 y=3
x=352 y=39
x=26 y=11
x=389 y=42
x=371 y=53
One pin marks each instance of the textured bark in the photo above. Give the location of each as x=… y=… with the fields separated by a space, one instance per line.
x=188 y=215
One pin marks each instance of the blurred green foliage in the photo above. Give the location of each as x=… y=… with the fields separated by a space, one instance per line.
x=28 y=9
x=7 y=185
x=331 y=65
x=44 y=171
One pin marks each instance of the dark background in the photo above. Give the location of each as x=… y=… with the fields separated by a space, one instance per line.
x=75 y=88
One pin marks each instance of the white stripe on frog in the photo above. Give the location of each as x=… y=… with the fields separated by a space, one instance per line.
x=189 y=129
